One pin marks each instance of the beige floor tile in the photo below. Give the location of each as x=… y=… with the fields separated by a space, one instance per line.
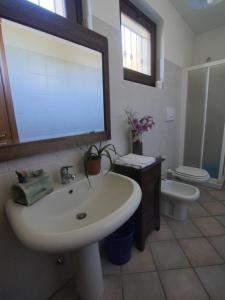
x=164 y=233
x=108 y=268
x=214 y=208
x=184 y=229
x=205 y=196
x=168 y=255
x=182 y=285
x=219 y=243
x=140 y=261
x=112 y=288
x=213 y=279
x=221 y=219
x=143 y=286
x=200 y=252
x=196 y=210
x=218 y=195
x=209 y=226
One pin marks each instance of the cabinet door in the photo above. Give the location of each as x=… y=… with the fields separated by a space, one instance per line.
x=149 y=204
x=5 y=132
x=151 y=196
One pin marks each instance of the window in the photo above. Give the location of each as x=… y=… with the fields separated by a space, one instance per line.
x=70 y=9
x=138 y=44
x=55 y=6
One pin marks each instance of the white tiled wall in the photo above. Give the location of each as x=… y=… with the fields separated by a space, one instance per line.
x=27 y=274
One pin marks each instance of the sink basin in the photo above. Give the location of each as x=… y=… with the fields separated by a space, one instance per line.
x=76 y=217
x=53 y=225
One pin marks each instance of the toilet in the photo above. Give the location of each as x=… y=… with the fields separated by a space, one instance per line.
x=191 y=174
x=176 y=196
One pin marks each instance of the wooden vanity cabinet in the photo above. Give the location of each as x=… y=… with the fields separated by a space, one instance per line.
x=147 y=216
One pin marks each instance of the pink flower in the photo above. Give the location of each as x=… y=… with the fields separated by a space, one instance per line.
x=139 y=125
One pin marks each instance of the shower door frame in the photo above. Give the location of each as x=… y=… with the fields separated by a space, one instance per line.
x=183 y=114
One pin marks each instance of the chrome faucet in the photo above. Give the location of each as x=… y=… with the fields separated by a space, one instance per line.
x=66 y=176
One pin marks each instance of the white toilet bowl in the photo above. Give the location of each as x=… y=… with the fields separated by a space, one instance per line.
x=191 y=174
x=176 y=197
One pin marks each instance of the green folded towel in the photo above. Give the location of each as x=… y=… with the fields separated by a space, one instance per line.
x=32 y=191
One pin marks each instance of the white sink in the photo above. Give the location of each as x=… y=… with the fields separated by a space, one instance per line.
x=51 y=224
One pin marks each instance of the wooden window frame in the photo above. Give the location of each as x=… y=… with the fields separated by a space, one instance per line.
x=74 y=11
x=25 y=13
x=138 y=16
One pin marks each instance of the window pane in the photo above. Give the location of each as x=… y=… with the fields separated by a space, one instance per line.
x=48 y=4
x=136 y=43
x=60 y=7
x=55 y=6
x=34 y=1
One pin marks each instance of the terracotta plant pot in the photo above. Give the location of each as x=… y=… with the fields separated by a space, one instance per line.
x=93 y=166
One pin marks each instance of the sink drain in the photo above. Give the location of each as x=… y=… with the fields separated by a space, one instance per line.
x=81 y=216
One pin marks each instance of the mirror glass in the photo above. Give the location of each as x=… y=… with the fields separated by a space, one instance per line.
x=56 y=85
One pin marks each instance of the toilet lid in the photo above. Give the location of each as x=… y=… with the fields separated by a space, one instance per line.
x=190 y=176
x=192 y=172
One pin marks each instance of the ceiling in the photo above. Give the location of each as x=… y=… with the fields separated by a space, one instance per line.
x=201 y=20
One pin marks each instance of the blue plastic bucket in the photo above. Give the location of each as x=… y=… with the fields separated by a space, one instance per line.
x=118 y=245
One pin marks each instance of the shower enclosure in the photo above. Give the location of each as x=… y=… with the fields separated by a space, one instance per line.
x=204 y=135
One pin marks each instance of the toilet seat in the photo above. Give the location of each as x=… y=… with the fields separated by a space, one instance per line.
x=192 y=174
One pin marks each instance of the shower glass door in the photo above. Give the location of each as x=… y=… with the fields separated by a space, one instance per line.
x=195 y=117
x=215 y=121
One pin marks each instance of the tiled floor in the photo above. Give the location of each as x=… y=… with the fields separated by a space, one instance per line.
x=184 y=260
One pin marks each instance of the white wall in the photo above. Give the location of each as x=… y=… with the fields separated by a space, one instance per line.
x=143 y=100
x=209 y=44
x=163 y=140
x=178 y=37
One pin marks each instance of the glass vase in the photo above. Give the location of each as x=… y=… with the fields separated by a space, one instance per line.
x=137 y=147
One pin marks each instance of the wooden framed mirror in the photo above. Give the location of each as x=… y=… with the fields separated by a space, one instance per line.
x=54 y=83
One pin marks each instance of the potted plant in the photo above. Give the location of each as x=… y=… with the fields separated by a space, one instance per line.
x=93 y=156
